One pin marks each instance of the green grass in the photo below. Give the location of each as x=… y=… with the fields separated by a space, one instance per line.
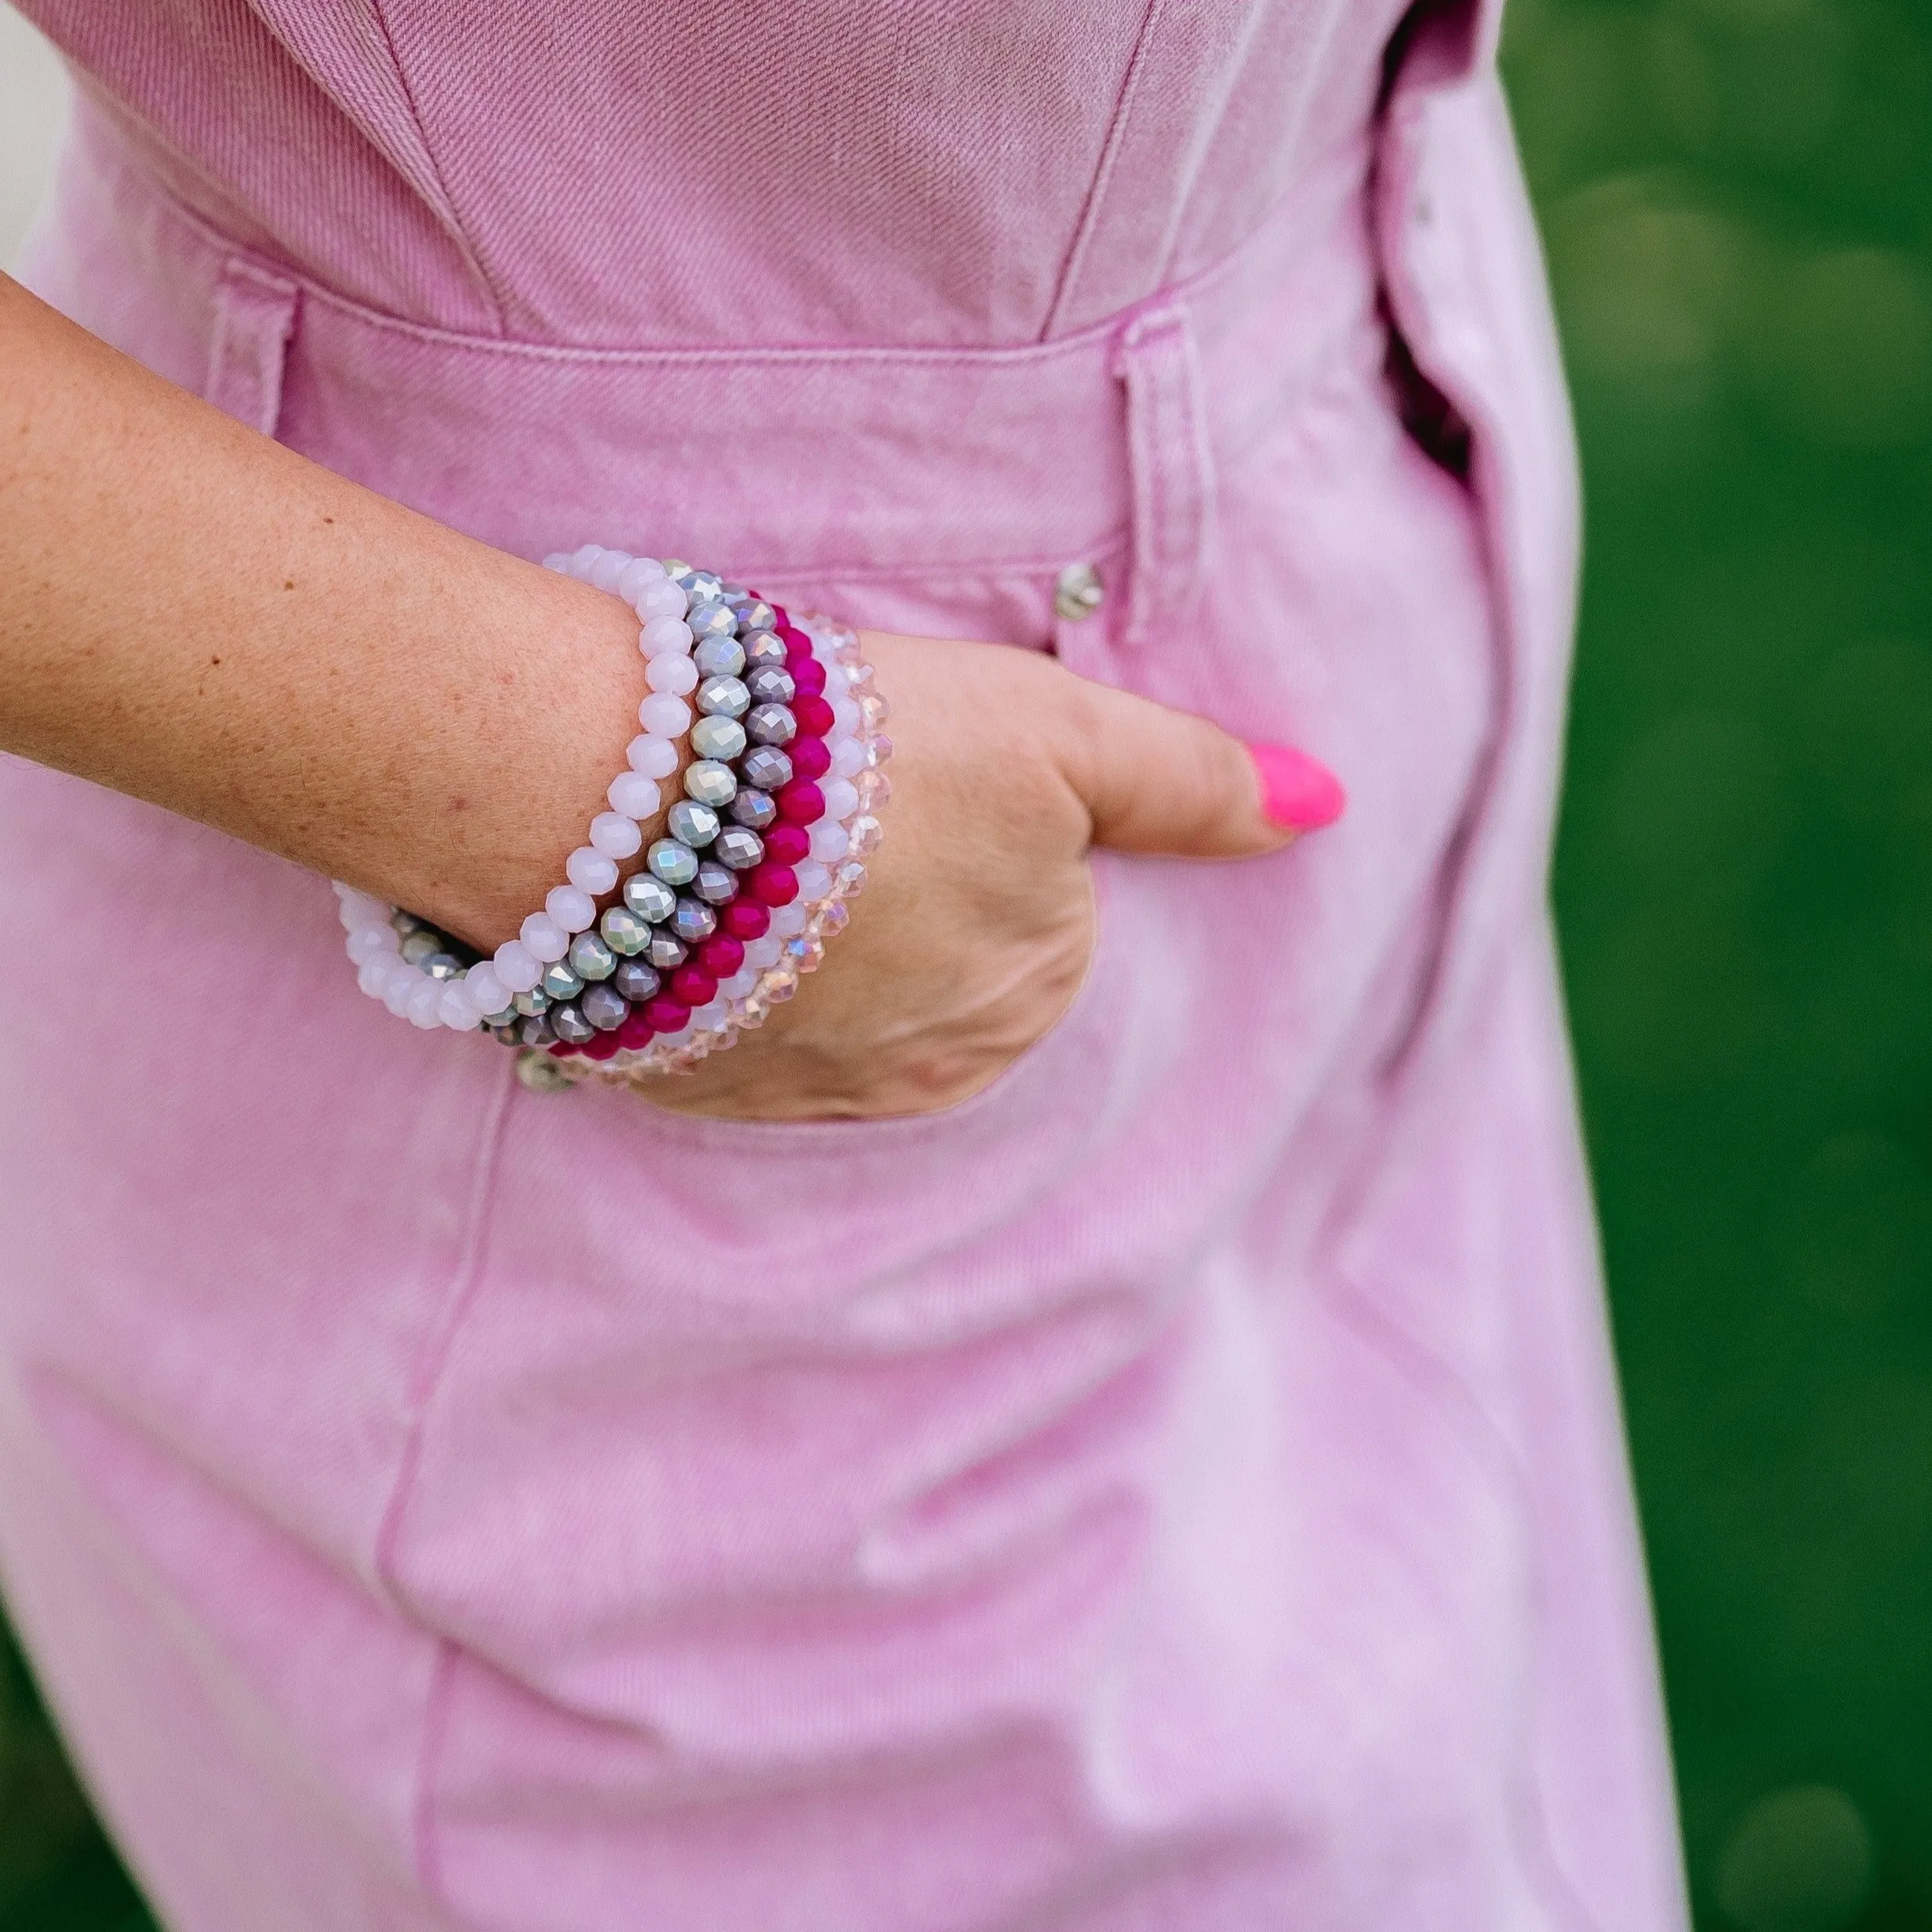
x=1739 y=199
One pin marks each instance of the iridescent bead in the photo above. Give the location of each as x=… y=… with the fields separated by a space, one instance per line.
x=442 y=965
x=831 y=918
x=562 y=981
x=419 y=944
x=680 y=573
x=710 y=620
x=849 y=881
x=739 y=847
x=666 y=950
x=531 y=1000
x=771 y=724
x=755 y=809
x=694 y=920
x=509 y=1033
x=763 y=649
x=675 y=864
x=768 y=768
x=569 y=1023
x=592 y=958
x=715 y=884
x=873 y=788
x=874 y=710
x=757 y=1010
x=719 y=657
x=723 y=697
x=780 y=984
x=704 y=587
x=769 y=685
x=753 y=613
x=717 y=738
x=804 y=954
x=623 y=931
x=689 y=823
x=635 y=980
x=862 y=836
x=710 y=783
x=536 y=1031
x=604 y=1007
x=649 y=899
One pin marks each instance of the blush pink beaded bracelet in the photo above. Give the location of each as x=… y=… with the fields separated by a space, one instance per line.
x=781 y=778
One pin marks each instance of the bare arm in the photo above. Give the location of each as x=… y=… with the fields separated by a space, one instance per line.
x=196 y=616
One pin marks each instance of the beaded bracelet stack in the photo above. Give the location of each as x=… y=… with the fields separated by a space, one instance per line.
x=781 y=781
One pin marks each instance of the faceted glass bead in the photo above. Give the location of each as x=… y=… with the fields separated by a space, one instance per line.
x=680 y=572
x=623 y=931
x=419 y=944
x=787 y=844
x=704 y=587
x=831 y=918
x=694 y=920
x=690 y=823
x=534 y=1001
x=403 y=924
x=771 y=724
x=829 y=843
x=716 y=884
x=604 y=1007
x=769 y=685
x=711 y=782
x=635 y=980
x=649 y=899
x=863 y=835
x=780 y=984
x=568 y=1023
x=710 y=620
x=536 y=1031
x=745 y=918
x=873 y=710
x=561 y=980
x=442 y=965
x=674 y=863
x=723 y=697
x=787 y=921
x=755 y=810
x=718 y=738
x=739 y=847
x=757 y=1010
x=763 y=649
x=804 y=954
x=753 y=613
x=873 y=788
x=666 y=950
x=849 y=881
x=878 y=751
x=811 y=758
x=593 y=959
x=719 y=657
x=573 y=910
x=808 y=674
x=767 y=768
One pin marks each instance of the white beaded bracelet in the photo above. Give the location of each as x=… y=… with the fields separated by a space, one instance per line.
x=696 y=634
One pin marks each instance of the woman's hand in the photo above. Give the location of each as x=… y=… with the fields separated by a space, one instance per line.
x=976 y=924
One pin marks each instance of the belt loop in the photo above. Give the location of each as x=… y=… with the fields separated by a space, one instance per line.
x=1171 y=464
x=255 y=316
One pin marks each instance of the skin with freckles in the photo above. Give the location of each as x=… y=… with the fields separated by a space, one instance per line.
x=195 y=615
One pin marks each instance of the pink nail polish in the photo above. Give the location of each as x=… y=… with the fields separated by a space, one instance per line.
x=1297 y=792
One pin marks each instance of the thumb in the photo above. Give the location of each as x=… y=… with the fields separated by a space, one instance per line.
x=1157 y=780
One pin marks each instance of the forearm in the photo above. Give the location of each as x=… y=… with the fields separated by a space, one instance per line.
x=195 y=615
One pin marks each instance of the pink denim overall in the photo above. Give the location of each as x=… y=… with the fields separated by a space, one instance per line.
x=1180 y=1487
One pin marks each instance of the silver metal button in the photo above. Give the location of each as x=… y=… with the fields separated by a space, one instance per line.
x=1077 y=592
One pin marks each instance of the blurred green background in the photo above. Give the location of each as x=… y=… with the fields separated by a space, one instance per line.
x=1737 y=199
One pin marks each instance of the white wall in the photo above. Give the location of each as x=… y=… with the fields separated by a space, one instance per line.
x=33 y=112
